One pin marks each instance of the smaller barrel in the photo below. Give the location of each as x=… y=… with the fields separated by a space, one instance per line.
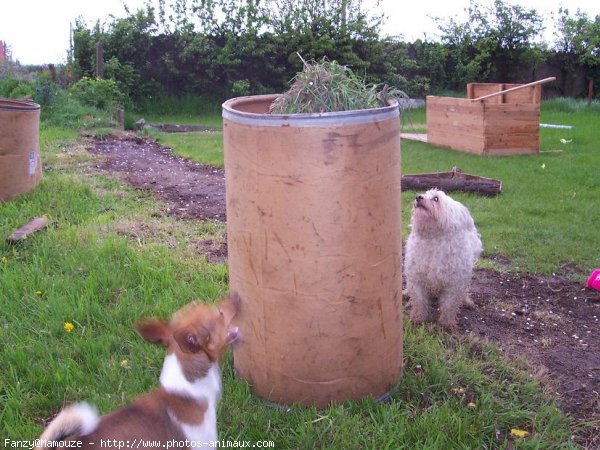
x=20 y=163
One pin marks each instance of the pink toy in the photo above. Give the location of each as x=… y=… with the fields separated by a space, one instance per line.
x=594 y=280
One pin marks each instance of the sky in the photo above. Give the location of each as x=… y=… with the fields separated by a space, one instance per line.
x=37 y=31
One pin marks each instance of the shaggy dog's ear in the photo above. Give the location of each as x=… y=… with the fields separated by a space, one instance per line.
x=455 y=215
x=464 y=218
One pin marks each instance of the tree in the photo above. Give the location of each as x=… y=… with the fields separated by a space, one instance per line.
x=578 y=43
x=496 y=42
x=514 y=29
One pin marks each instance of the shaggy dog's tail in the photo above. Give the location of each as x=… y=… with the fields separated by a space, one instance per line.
x=75 y=420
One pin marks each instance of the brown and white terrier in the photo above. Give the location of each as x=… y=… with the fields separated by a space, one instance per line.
x=185 y=404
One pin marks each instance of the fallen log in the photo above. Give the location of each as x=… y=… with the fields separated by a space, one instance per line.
x=455 y=180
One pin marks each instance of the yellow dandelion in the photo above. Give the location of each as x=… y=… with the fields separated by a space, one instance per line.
x=68 y=327
x=518 y=433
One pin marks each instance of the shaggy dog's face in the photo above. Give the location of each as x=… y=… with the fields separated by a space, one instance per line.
x=429 y=204
x=435 y=212
x=428 y=208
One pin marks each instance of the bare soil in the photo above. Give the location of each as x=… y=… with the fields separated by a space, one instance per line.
x=552 y=321
x=192 y=190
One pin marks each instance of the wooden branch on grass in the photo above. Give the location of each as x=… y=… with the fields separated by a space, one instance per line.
x=455 y=180
x=35 y=224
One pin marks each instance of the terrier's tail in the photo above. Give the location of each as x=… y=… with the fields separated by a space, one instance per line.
x=75 y=420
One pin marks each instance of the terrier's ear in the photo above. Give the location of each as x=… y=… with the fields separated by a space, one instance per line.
x=192 y=340
x=154 y=330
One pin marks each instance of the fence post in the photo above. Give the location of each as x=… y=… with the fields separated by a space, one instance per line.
x=99 y=60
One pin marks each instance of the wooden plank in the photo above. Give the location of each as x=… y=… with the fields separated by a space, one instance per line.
x=35 y=224
x=528 y=95
x=414 y=137
x=491 y=151
x=518 y=87
x=512 y=129
x=481 y=89
x=455 y=123
x=531 y=94
x=471 y=90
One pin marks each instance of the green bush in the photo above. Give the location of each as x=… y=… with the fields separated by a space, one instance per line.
x=61 y=107
x=241 y=87
x=44 y=89
x=97 y=92
x=11 y=87
x=68 y=111
x=39 y=87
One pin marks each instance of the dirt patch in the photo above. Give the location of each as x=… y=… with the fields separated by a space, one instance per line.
x=554 y=322
x=192 y=190
x=214 y=251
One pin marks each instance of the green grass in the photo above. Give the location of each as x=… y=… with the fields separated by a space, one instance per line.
x=96 y=268
x=180 y=110
x=452 y=395
x=110 y=257
x=413 y=121
x=544 y=218
x=206 y=148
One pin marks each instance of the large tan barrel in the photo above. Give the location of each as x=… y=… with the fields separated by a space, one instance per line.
x=315 y=250
x=20 y=164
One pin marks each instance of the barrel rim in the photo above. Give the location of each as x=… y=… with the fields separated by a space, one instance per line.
x=12 y=104
x=336 y=118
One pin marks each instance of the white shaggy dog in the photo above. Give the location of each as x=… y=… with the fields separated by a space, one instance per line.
x=441 y=250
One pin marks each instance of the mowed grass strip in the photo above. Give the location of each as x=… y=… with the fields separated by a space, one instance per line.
x=206 y=148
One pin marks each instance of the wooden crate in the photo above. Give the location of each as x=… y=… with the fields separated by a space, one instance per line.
x=506 y=124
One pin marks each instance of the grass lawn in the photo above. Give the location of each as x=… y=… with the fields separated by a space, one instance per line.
x=542 y=221
x=110 y=257
x=199 y=146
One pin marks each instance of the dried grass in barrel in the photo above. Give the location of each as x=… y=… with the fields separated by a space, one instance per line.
x=327 y=86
